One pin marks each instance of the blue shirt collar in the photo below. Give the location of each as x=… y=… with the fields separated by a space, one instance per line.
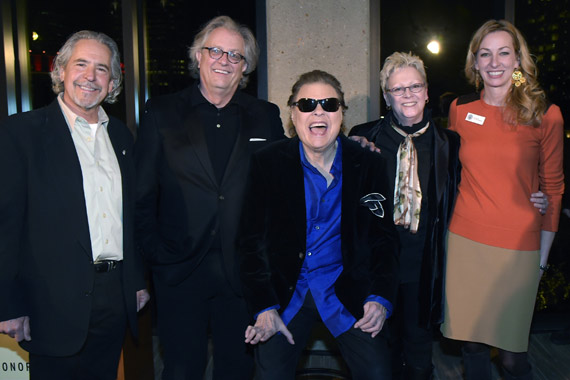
x=336 y=168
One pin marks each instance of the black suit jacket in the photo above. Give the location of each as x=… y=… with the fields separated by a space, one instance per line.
x=273 y=229
x=46 y=267
x=180 y=204
x=445 y=175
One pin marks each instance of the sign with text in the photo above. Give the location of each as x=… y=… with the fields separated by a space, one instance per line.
x=13 y=360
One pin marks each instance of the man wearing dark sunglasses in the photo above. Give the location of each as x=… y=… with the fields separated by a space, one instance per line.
x=309 y=105
x=193 y=152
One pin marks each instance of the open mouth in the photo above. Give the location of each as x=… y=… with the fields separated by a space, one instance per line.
x=318 y=128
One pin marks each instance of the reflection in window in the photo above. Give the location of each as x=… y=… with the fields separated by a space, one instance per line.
x=171 y=27
x=50 y=23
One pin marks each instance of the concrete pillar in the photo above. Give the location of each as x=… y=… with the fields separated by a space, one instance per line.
x=338 y=36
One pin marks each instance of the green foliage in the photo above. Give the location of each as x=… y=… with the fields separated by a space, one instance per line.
x=554 y=289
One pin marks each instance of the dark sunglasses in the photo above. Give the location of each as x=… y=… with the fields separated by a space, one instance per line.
x=309 y=105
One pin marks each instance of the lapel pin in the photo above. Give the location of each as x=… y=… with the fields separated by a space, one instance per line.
x=124 y=152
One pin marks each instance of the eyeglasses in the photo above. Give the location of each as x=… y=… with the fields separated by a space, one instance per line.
x=309 y=105
x=399 y=91
x=217 y=53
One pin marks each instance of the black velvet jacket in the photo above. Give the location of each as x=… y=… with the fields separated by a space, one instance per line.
x=273 y=228
x=444 y=178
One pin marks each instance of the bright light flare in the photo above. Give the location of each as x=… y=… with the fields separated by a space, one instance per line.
x=433 y=47
x=35 y=36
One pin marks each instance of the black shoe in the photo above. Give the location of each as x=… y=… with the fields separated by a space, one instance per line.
x=413 y=373
x=560 y=337
x=508 y=376
x=477 y=365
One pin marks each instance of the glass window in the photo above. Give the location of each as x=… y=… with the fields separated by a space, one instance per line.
x=171 y=27
x=50 y=23
x=546 y=27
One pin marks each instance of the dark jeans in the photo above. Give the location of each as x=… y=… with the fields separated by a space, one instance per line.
x=366 y=357
x=202 y=305
x=98 y=359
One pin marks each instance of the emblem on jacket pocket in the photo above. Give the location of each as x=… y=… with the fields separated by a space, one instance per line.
x=372 y=201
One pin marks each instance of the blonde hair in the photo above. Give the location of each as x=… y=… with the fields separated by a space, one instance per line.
x=525 y=104
x=397 y=61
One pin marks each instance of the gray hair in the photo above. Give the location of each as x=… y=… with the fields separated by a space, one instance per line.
x=66 y=51
x=398 y=60
x=251 y=52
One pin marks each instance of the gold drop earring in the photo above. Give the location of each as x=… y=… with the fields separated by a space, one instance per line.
x=518 y=78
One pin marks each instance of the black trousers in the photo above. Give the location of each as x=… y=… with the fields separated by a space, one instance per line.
x=367 y=357
x=98 y=359
x=203 y=305
x=411 y=344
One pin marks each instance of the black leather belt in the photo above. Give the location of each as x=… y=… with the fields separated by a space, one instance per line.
x=102 y=266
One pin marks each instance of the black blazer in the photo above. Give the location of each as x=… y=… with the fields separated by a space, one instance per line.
x=273 y=229
x=180 y=205
x=445 y=175
x=46 y=267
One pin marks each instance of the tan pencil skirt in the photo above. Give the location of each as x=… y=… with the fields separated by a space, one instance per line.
x=490 y=293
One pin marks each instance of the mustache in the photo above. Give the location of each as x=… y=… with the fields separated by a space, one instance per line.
x=88 y=85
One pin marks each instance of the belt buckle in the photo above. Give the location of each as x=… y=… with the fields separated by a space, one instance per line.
x=109 y=265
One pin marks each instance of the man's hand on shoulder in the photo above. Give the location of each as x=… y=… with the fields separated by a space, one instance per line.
x=18 y=328
x=365 y=143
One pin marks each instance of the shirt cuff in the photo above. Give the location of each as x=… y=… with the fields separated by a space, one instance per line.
x=276 y=307
x=382 y=301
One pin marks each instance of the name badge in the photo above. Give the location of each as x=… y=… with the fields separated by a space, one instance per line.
x=477 y=119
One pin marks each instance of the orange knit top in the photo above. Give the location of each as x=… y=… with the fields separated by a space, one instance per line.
x=501 y=166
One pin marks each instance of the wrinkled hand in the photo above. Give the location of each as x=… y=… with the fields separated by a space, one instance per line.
x=142 y=298
x=365 y=143
x=268 y=324
x=373 y=319
x=18 y=328
x=540 y=201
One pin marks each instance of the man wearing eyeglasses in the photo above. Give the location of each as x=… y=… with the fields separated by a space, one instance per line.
x=193 y=151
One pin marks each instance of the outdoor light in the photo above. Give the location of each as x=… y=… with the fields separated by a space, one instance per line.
x=433 y=47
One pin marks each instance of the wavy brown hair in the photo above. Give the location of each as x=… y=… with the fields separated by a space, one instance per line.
x=66 y=52
x=525 y=104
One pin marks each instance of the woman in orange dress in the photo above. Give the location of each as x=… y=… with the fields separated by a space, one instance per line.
x=498 y=244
